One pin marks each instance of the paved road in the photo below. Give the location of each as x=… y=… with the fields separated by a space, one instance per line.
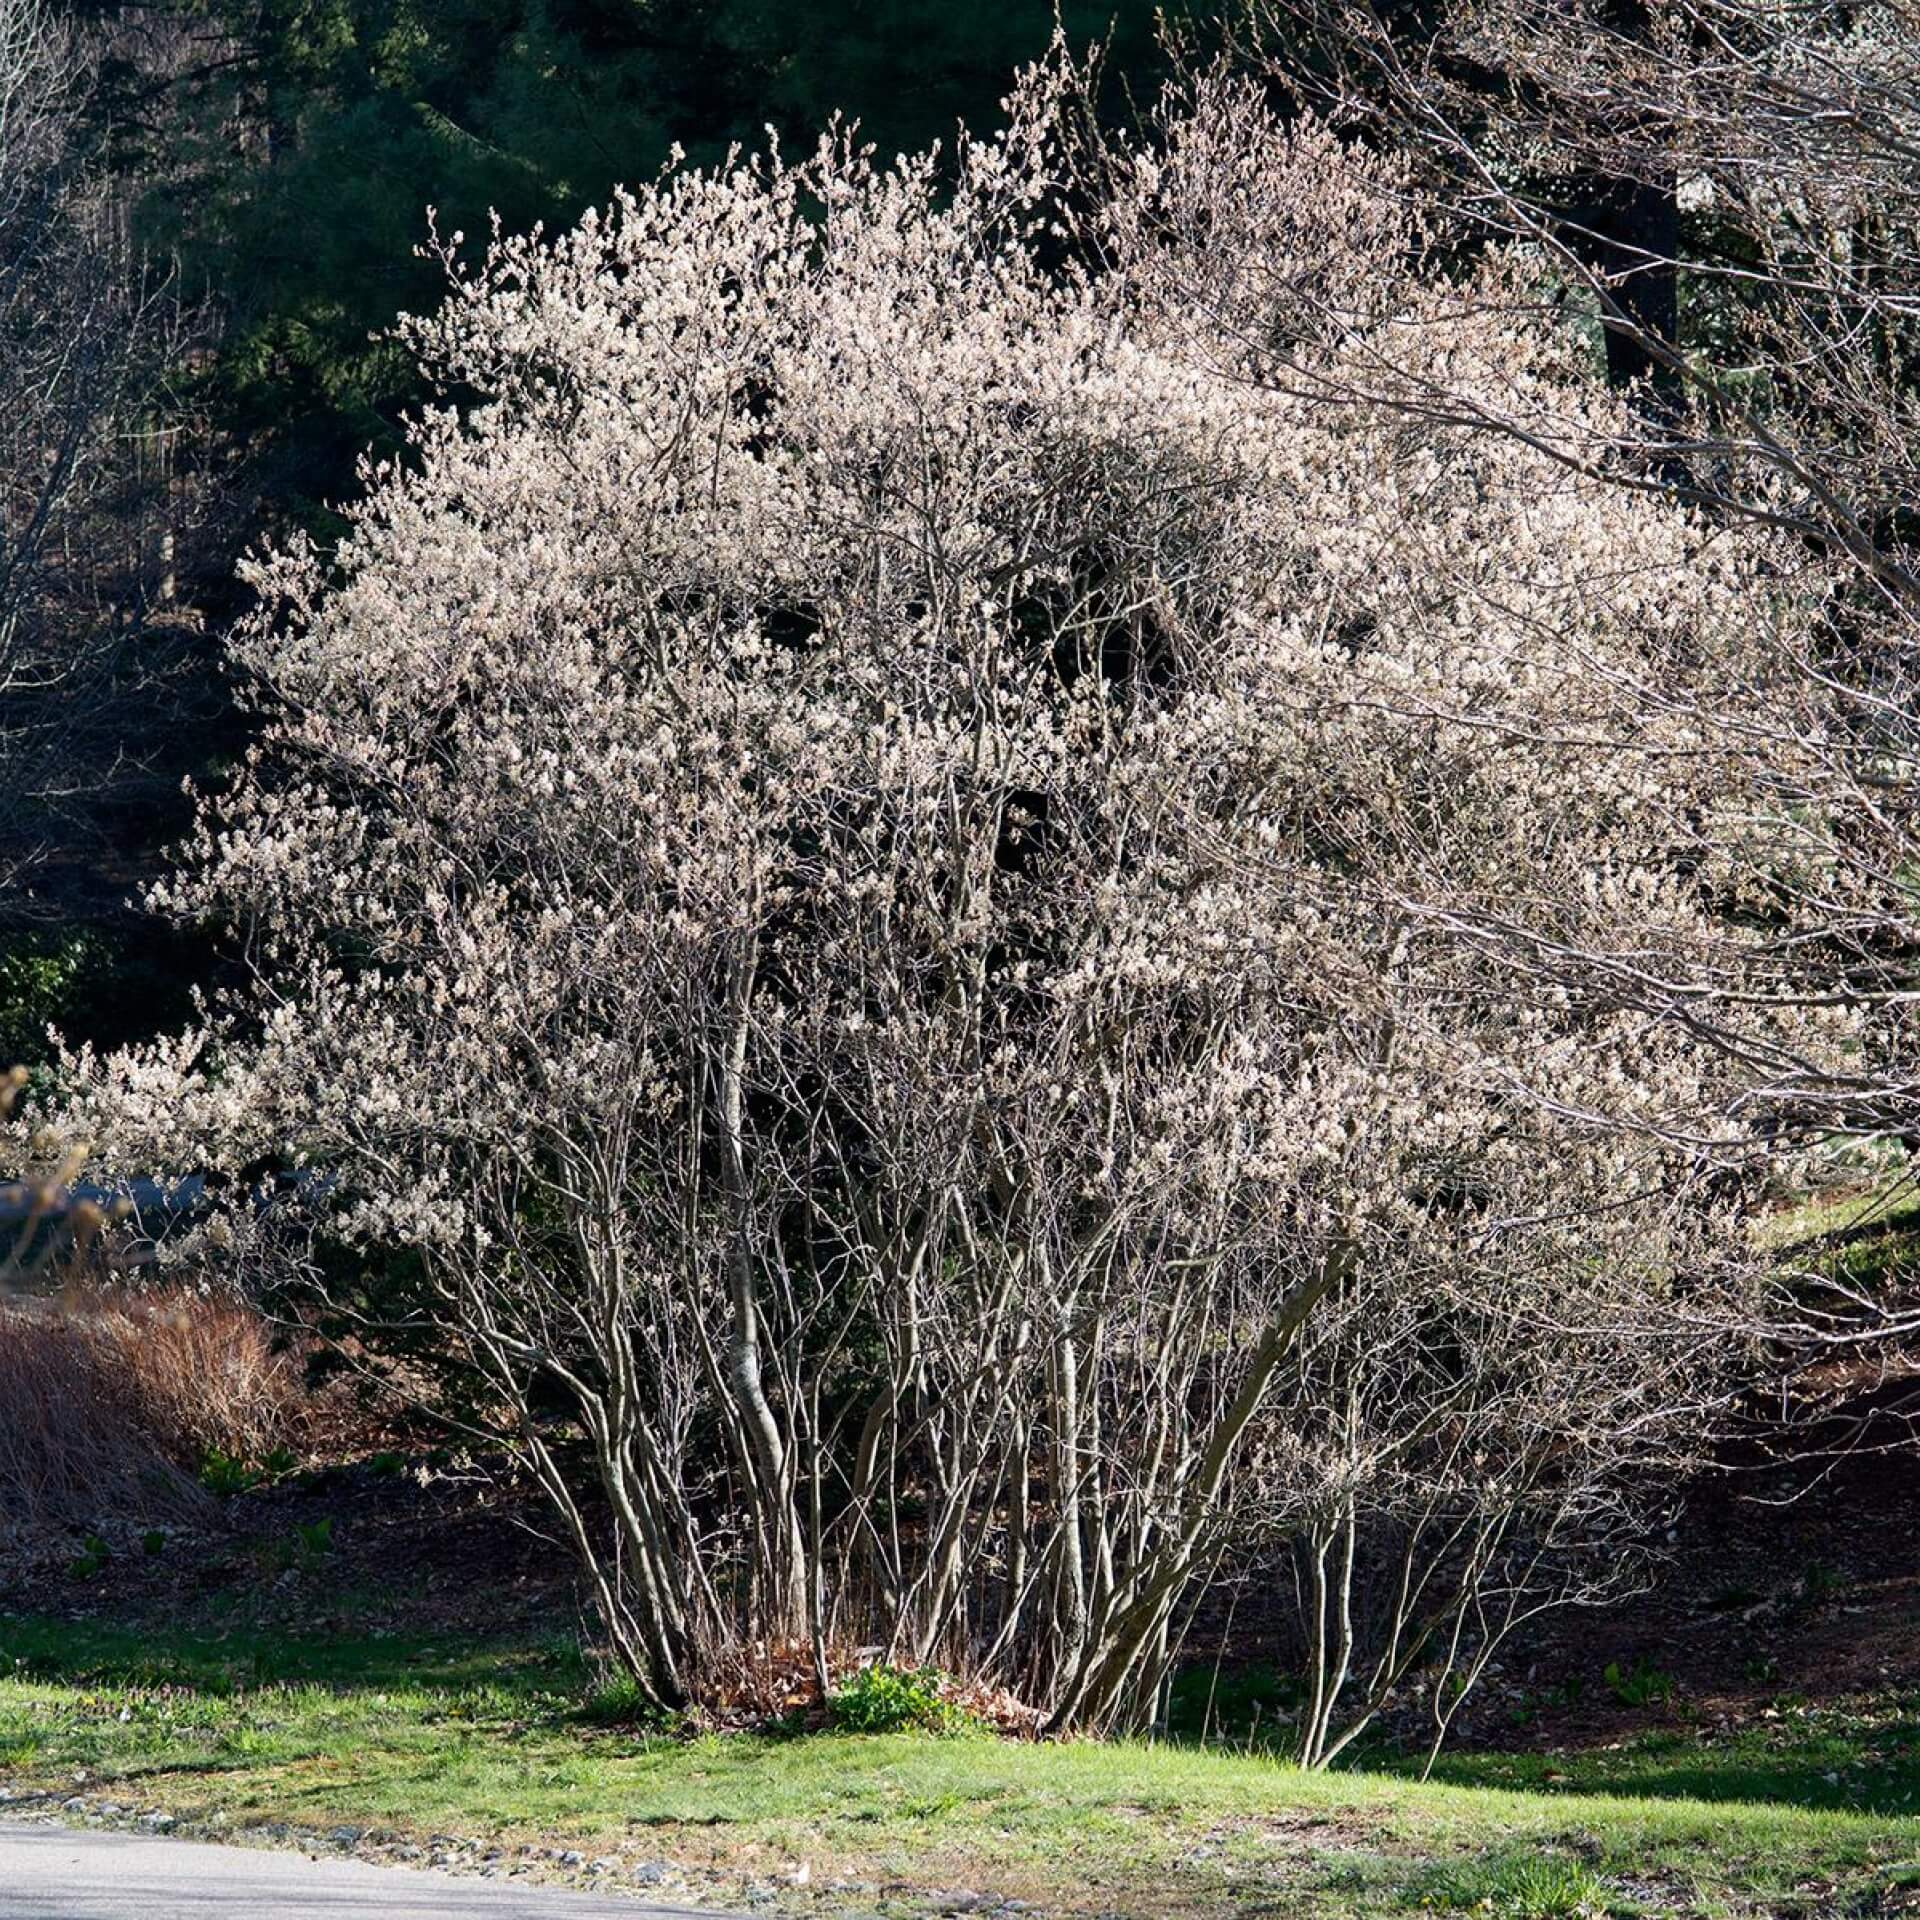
x=62 y=1873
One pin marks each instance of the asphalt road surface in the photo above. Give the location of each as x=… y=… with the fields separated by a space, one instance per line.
x=63 y=1873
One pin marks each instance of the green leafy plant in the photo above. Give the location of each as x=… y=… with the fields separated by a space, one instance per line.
x=617 y=1700
x=1639 y=1685
x=93 y=1556
x=614 y=1698
x=1821 y=1582
x=315 y=1536
x=153 y=1543
x=882 y=1699
x=42 y=979
x=226 y=1474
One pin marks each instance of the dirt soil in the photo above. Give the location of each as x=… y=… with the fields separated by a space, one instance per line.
x=402 y=1546
x=1796 y=1581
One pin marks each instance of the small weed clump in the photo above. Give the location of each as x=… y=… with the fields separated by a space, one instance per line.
x=1531 y=1886
x=881 y=1699
x=618 y=1700
x=1638 y=1685
x=1820 y=1583
x=226 y=1474
x=229 y=1473
x=315 y=1537
x=303 y=1550
x=92 y=1557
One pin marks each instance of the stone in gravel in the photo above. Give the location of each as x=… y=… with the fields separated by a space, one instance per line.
x=572 y=1858
x=602 y=1865
x=159 y=1822
x=345 y=1836
x=650 y=1873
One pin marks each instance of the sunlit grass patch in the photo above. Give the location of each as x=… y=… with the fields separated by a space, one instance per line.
x=423 y=1737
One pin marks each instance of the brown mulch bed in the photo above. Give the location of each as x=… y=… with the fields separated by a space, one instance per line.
x=432 y=1547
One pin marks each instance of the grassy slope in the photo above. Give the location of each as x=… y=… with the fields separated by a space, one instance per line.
x=422 y=1739
x=1890 y=1206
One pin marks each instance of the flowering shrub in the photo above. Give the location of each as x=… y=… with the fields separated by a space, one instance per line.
x=831 y=855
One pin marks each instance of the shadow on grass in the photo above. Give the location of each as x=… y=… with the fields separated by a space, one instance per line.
x=84 y=1654
x=1844 y=1757
x=1861 y=1768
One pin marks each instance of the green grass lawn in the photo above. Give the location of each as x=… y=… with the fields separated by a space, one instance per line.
x=1877 y=1229
x=423 y=1737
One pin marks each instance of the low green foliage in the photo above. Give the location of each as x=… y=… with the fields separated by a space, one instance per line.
x=1639 y=1685
x=305 y=1548
x=889 y=1700
x=315 y=1536
x=618 y=1700
x=42 y=977
x=91 y=1558
x=1241 y=1703
x=1820 y=1583
x=226 y=1475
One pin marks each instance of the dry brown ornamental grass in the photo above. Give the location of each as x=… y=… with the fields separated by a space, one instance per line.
x=110 y=1397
